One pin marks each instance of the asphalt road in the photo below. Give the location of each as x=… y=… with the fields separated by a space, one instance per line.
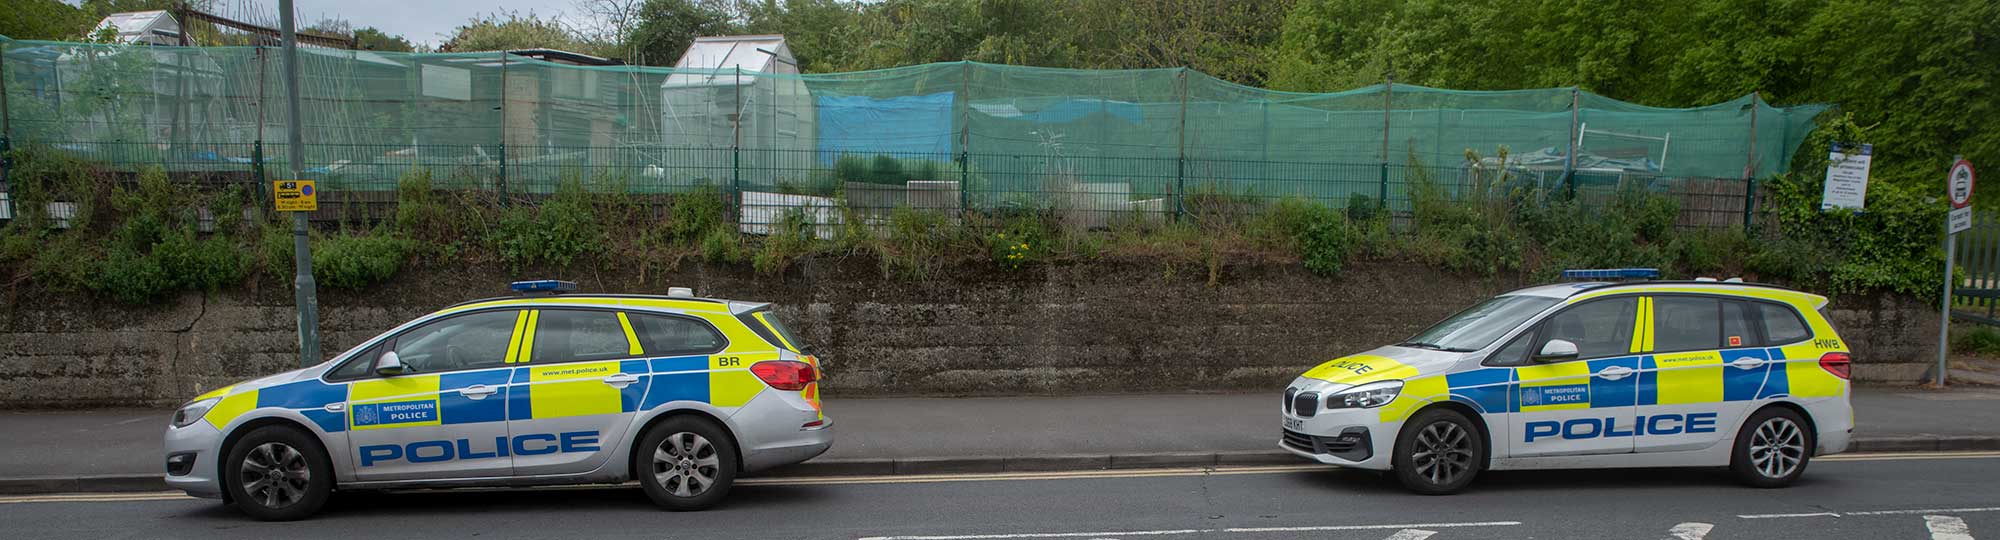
x=1889 y=497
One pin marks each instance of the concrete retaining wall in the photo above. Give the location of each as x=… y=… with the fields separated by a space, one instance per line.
x=1101 y=327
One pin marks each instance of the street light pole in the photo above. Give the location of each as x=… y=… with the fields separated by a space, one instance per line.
x=306 y=295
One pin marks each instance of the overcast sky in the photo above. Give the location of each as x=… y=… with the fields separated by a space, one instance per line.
x=422 y=21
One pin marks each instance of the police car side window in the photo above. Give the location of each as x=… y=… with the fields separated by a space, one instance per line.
x=1739 y=325
x=1686 y=323
x=1515 y=353
x=570 y=335
x=1782 y=325
x=475 y=340
x=357 y=366
x=1599 y=328
x=675 y=335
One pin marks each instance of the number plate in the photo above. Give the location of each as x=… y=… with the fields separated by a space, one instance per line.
x=1294 y=424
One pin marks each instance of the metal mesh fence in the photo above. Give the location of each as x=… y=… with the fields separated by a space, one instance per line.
x=1095 y=146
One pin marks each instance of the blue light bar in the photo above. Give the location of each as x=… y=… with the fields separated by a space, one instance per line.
x=542 y=286
x=1613 y=273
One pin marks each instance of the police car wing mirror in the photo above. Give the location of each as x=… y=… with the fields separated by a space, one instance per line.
x=1556 y=350
x=389 y=364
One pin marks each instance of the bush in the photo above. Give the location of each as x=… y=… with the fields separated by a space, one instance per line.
x=789 y=239
x=354 y=262
x=1361 y=207
x=1025 y=240
x=722 y=246
x=850 y=168
x=886 y=170
x=695 y=215
x=1318 y=234
x=1980 y=340
x=558 y=231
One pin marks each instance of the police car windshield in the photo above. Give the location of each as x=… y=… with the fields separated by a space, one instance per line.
x=1475 y=328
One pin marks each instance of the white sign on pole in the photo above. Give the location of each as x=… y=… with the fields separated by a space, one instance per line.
x=1961 y=219
x=1960 y=182
x=1846 y=177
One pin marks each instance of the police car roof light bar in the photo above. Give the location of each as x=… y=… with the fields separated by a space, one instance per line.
x=1613 y=273
x=543 y=286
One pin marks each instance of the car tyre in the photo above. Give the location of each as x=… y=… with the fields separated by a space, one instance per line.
x=1439 y=452
x=685 y=463
x=1772 y=449
x=277 y=473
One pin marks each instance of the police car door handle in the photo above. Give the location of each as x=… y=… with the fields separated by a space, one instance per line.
x=478 y=391
x=620 y=380
x=1747 y=363
x=1614 y=373
x=336 y=407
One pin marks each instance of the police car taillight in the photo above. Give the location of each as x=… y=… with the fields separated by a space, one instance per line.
x=1836 y=363
x=785 y=374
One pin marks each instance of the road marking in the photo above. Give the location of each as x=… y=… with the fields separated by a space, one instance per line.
x=1689 y=531
x=1411 y=534
x=1908 y=456
x=1170 y=532
x=1875 y=513
x=1947 y=528
x=1019 y=476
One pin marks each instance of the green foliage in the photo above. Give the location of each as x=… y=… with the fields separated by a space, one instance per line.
x=1980 y=340
x=696 y=214
x=557 y=231
x=357 y=261
x=1361 y=207
x=790 y=238
x=1468 y=227
x=1317 y=233
x=44 y=19
x=1025 y=240
x=665 y=29
x=722 y=246
x=511 y=30
x=886 y=170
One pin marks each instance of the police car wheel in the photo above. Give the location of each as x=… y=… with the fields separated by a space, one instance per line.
x=1772 y=449
x=685 y=463
x=277 y=473
x=1438 y=452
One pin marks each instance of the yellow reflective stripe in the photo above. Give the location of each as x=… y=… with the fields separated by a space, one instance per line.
x=1804 y=300
x=398 y=390
x=528 y=338
x=683 y=305
x=219 y=392
x=631 y=338
x=1416 y=393
x=236 y=405
x=514 y=342
x=573 y=389
x=1691 y=377
x=1361 y=369
x=1642 y=325
x=774 y=331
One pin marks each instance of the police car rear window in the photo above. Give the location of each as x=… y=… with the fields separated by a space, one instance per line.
x=1782 y=324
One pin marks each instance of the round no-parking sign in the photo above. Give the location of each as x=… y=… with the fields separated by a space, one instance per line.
x=1960 y=181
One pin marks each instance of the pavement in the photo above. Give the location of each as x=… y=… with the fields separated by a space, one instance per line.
x=119 y=449
x=1879 y=497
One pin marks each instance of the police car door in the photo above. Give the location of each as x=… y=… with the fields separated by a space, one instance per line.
x=1705 y=371
x=445 y=416
x=1581 y=404
x=583 y=380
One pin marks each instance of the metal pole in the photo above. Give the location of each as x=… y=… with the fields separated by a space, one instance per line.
x=1944 y=310
x=1575 y=119
x=964 y=138
x=736 y=143
x=302 y=284
x=1388 y=94
x=1750 y=164
x=504 y=128
x=1180 y=163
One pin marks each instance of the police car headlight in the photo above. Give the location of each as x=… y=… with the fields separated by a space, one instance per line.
x=1369 y=395
x=192 y=412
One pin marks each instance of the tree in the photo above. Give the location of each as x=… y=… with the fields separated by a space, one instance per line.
x=665 y=28
x=44 y=19
x=509 y=30
x=374 y=39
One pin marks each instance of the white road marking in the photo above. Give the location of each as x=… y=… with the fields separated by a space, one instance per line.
x=1908 y=456
x=1689 y=531
x=1411 y=534
x=1171 y=532
x=1947 y=528
x=1875 y=513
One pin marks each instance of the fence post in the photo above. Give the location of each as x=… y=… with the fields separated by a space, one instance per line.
x=964 y=139
x=503 y=129
x=1388 y=94
x=1180 y=162
x=1750 y=165
x=257 y=173
x=736 y=144
x=1569 y=163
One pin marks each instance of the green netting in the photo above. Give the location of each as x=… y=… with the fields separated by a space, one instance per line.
x=1007 y=133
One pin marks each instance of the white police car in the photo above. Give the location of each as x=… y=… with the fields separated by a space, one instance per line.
x=1585 y=375
x=677 y=392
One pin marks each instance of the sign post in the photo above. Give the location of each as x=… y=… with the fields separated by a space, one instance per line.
x=305 y=291
x=1958 y=184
